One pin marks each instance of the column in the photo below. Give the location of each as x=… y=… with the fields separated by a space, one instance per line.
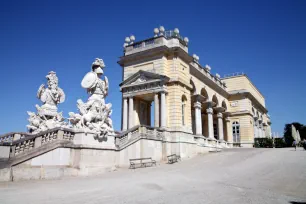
x=255 y=128
x=220 y=126
x=198 y=118
x=131 y=112
x=259 y=130
x=163 y=109
x=210 y=122
x=156 y=110
x=125 y=114
x=229 y=130
x=263 y=130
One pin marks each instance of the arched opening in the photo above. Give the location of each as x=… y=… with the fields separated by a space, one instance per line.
x=204 y=116
x=236 y=132
x=224 y=106
x=204 y=93
x=215 y=101
x=254 y=123
x=225 y=133
x=215 y=119
x=184 y=101
x=194 y=90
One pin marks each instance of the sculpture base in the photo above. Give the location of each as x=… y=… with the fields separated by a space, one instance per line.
x=90 y=140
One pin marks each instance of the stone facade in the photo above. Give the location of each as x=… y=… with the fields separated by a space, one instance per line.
x=187 y=97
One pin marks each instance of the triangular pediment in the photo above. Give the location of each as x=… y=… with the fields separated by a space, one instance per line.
x=142 y=77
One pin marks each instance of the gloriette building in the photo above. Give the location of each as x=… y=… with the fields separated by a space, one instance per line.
x=165 y=87
x=172 y=107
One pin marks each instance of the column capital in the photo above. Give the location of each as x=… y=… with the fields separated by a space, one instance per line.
x=227 y=119
x=219 y=109
x=197 y=105
x=219 y=115
x=209 y=111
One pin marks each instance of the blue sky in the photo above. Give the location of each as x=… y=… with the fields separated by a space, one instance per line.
x=265 y=39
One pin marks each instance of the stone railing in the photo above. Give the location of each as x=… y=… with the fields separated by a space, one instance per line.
x=137 y=132
x=12 y=136
x=212 y=142
x=32 y=141
x=155 y=42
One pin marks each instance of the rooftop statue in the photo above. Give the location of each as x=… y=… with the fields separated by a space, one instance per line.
x=47 y=116
x=94 y=115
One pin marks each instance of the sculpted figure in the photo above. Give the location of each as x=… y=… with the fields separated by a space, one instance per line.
x=94 y=115
x=47 y=116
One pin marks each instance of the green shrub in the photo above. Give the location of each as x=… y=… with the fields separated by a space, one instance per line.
x=263 y=142
x=279 y=143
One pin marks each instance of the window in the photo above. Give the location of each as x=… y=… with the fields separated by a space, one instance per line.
x=184 y=100
x=236 y=132
x=183 y=114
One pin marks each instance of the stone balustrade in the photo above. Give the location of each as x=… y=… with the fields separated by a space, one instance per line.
x=28 y=142
x=139 y=131
x=155 y=42
x=12 y=136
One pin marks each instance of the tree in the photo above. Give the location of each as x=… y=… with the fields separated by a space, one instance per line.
x=287 y=132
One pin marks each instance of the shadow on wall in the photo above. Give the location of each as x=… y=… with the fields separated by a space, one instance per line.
x=295 y=202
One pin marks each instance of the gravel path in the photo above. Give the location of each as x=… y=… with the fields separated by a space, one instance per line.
x=233 y=176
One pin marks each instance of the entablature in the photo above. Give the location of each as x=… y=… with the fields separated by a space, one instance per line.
x=249 y=95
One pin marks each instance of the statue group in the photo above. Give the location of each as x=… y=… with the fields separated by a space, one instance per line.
x=94 y=115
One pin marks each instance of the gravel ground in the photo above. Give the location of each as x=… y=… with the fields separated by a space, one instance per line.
x=232 y=176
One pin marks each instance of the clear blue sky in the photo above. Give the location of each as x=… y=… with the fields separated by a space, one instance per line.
x=265 y=39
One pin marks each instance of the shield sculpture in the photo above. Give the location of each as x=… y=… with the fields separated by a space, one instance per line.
x=89 y=80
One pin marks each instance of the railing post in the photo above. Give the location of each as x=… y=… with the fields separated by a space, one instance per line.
x=12 y=152
x=37 y=141
x=60 y=135
x=16 y=137
x=129 y=136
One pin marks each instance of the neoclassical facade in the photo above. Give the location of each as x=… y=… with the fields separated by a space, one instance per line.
x=165 y=87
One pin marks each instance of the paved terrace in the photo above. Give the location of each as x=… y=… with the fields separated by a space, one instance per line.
x=234 y=176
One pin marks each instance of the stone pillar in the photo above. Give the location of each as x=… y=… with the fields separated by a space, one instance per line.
x=198 y=118
x=210 y=122
x=125 y=114
x=256 y=128
x=156 y=110
x=220 y=126
x=229 y=130
x=163 y=109
x=131 y=112
x=259 y=130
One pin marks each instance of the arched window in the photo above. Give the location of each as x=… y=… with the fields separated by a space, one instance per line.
x=184 y=100
x=236 y=132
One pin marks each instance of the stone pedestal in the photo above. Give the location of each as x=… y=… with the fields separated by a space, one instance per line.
x=89 y=140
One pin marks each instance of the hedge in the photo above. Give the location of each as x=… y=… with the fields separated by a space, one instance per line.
x=263 y=142
x=279 y=143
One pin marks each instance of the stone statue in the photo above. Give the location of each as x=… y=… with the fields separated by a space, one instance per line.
x=47 y=116
x=94 y=115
